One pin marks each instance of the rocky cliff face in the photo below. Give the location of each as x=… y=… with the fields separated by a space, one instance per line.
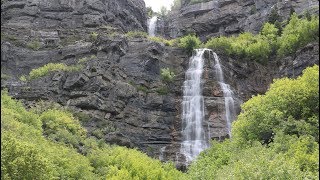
x=227 y=17
x=53 y=14
x=119 y=86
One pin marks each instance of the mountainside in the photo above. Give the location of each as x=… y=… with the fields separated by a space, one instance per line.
x=113 y=79
x=229 y=17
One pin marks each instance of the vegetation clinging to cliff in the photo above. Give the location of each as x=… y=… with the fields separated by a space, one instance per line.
x=189 y=43
x=296 y=34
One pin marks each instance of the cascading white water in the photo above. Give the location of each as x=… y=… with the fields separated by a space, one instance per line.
x=193 y=109
x=161 y=155
x=152 y=23
x=227 y=93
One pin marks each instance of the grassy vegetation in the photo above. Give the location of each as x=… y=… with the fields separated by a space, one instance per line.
x=48 y=68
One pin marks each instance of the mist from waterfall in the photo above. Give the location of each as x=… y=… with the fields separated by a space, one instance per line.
x=152 y=23
x=227 y=94
x=193 y=132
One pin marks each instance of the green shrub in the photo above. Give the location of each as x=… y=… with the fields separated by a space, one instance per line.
x=275 y=136
x=189 y=43
x=23 y=78
x=62 y=126
x=167 y=75
x=85 y=59
x=93 y=36
x=27 y=153
x=52 y=67
x=220 y=44
x=20 y=160
x=34 y=45
x=290 y=105
x=297 y=34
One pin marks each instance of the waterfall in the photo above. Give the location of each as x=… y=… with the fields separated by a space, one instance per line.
x=195 y=138
x=227 y=94
x=193 y=132
x=152 y=23
x=161 y=155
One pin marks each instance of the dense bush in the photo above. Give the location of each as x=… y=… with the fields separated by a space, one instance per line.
x=167 y=75
x=290 y=105
x=36 y=145
x=246 y=45
x=189 y=43
x=298 y=33
x=276 y=136
x=260 y=47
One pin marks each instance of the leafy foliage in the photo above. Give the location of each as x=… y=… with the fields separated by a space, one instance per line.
x=275 y=137
x=189 y=43
x=167 y=75
x=38 y=144
x=296 y=34
x=290 y=106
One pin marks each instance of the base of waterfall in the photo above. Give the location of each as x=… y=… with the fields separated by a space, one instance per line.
x=191 y=149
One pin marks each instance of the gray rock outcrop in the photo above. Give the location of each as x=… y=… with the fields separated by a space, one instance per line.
x=229 y=17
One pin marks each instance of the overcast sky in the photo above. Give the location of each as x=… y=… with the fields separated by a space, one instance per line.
x=157 y=4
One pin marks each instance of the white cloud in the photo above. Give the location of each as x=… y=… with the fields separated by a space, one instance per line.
x=157 y=4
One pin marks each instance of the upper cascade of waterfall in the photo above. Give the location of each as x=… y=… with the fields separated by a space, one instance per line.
x=152 y=23
x=195 y=138
x=227 y=94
